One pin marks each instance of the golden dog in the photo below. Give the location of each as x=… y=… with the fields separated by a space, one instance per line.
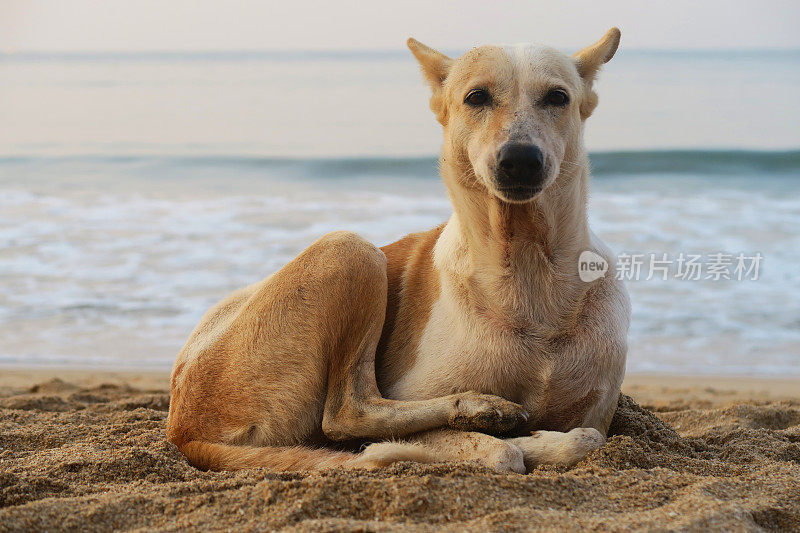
x=476 y=340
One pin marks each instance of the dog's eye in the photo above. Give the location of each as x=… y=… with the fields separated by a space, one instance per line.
x=557 y=97
x=477 y=97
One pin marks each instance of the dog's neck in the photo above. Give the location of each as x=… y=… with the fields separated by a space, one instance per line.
x=516 y=259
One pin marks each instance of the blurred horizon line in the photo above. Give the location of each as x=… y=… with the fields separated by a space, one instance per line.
x=340 y=54
x=729 y=162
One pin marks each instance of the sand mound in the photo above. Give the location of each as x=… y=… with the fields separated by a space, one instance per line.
x=95 y=458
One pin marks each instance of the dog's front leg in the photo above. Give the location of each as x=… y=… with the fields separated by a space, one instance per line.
x=375 y=418
x=348 y=318
x=355 y=409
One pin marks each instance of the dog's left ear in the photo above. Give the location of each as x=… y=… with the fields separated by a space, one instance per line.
x=435 y=67
x=589 y=60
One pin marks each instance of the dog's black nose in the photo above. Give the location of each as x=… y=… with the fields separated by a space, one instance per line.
x=520 y=166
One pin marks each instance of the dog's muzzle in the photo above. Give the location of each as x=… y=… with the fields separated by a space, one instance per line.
x=520 y=171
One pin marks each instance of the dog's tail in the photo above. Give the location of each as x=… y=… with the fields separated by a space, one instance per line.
x=217 y=456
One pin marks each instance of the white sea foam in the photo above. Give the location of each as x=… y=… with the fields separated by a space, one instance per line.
x=102 y=278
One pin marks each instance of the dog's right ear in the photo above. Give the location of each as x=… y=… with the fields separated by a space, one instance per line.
x=435 y=67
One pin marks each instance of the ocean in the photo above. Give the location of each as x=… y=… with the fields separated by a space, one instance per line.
x=138 y=189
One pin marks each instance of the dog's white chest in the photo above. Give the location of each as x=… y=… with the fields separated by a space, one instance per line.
x=459 y=353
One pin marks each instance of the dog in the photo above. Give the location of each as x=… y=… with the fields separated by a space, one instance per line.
x=474 y=341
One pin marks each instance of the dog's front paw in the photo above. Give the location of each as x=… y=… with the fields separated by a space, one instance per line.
x=486 y=413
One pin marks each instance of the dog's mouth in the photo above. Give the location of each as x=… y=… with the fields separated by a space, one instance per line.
x=519 y=193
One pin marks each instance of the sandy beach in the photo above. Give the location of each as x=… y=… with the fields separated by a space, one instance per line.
x=86 y=450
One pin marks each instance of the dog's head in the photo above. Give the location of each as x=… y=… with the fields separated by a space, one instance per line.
x=510 y=113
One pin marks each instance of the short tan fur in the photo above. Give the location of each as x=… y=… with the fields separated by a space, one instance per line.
x=476 y=340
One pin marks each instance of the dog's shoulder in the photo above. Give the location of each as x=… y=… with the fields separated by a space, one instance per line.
x=413 y=251
x=413 y=287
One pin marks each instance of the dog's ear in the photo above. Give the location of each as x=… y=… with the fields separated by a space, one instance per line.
x=590 y=59
x=435 y=67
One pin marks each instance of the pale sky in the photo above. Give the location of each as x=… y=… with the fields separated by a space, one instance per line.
x=135 y=25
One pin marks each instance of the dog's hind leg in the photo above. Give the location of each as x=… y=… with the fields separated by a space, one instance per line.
x=514 y=454
x=521 y=454
x=555 y=447
x=454 y=445
x=286 y=362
